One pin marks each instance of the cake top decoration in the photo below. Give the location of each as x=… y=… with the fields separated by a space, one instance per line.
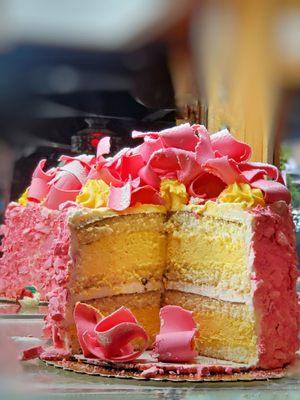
x=173 y=167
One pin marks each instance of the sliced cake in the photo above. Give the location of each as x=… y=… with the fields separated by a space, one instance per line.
x=184 y=219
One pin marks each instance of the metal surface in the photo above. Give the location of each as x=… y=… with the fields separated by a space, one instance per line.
x=34 y=380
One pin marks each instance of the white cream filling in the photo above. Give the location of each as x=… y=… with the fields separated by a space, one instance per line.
x=250 y=222
x=127 y=288
x=228 y=295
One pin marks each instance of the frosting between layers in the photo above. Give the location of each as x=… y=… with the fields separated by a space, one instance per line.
x=84 y=216
x=228 y=295
x=127 y=288
x=234 y=212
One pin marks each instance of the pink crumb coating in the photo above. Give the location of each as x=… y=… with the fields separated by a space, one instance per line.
x=275 y=275
x=58 y=296
x=29 y=249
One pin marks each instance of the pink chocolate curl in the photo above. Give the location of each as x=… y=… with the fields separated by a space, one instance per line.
x=103 y=146
x=254 y=171
x=57 y=196
x=206 y=186
x=39 y=186
x=110 y=338
x=273 y=191
x=33 y=352
x=86 y=318
x=174 y=343
x=181 y=136
x=224 y=144
x=120 y=197
x=224 y=168
x=146 y=195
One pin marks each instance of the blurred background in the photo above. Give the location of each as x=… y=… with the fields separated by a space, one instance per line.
x=73 y=71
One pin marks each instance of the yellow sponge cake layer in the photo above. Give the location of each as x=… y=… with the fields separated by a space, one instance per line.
x=145 y=307
x=115 y=251
x=226 y=330
x=208 y=251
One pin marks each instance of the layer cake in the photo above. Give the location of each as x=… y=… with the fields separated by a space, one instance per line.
x=183 y=219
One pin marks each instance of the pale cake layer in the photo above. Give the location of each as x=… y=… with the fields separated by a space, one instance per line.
x=208 y=251
x=226 y=330
x=127 y=288
x=144 y=306
x=209 y=291
x=119 y=250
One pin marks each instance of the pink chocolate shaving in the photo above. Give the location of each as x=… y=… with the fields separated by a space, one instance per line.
x=174 y=343
x=103 y=146
x=40 y=182
x=273 y=191
x=109 y=338
x=53 y=353
x=207 y=186
x=119 y=197
x=33 y=352
x=224 y=144
x=86 y=318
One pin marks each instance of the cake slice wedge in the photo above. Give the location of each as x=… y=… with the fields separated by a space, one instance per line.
x=236 y=270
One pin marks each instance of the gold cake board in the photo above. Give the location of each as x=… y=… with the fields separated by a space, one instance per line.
x=179 y=372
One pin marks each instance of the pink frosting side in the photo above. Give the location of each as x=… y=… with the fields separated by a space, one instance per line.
x=58 y=297
x=29 y=249
x=275 y=274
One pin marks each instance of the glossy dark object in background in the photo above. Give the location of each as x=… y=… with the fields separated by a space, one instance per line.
x=50 y=98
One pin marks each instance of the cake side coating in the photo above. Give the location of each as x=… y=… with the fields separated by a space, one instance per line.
x=58 y=297
x=275 y=275
x=28 y=245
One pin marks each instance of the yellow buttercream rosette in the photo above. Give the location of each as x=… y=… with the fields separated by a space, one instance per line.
x=23 y=199
x=242 y=193
x=94 y=194
x=174 y=194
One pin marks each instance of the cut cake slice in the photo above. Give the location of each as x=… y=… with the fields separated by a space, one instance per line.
x=236 y=270
x=116 y=260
